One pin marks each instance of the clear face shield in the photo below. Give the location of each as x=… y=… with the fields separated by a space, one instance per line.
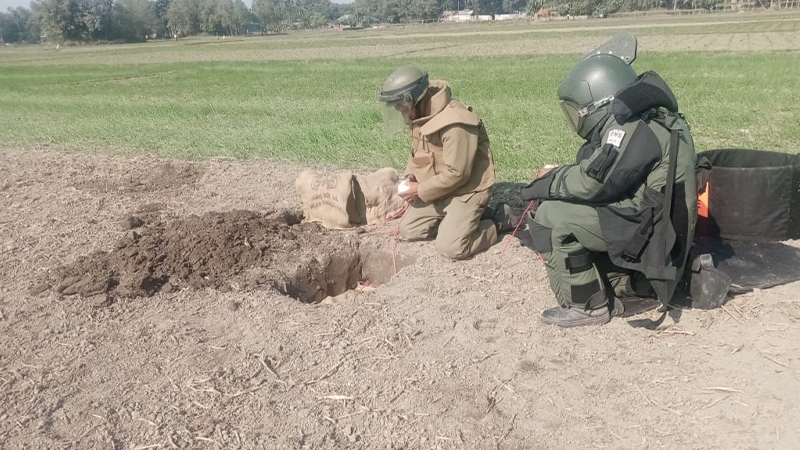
x=396 y=116
x=571 y=112
x=577 y=115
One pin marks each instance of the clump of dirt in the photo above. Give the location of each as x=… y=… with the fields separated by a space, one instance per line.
x=233 y=250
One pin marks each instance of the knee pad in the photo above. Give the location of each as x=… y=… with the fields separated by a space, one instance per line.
x=591 y=294
x=578 y=261
x=541 y=235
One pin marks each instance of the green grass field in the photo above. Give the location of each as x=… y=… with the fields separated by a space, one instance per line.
x=128 y=99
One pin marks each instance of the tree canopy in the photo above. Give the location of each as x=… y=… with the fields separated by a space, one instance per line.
x=135 y=20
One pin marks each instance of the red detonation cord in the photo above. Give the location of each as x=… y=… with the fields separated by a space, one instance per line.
x=502 y=254
x=394 y=216
x=393 y=232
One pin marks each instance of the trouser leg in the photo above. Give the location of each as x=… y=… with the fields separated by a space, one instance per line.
x=623 y=283
x=421 y=221
x=566 y=234
x=462 y=233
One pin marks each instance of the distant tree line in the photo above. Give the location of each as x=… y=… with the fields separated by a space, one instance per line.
x=137 y=20
x=597 y=7
x=19 y=25
x=398 y=11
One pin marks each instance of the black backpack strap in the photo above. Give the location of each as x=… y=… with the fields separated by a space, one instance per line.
x=662 y=286
x=673 y=167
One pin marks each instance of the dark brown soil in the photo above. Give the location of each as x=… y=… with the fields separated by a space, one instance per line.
x=234 y=250
x=198 y=251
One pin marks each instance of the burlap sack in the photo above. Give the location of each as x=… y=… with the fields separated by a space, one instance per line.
x=380 y=194
x=343 y=200
x=335 y=200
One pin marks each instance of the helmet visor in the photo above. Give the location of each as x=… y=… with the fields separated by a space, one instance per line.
x=571 y=112
x=395 y=116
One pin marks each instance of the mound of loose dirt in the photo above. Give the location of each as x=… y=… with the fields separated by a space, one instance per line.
x=237 y=250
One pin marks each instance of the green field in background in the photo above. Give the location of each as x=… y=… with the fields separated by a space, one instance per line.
x=326 y=111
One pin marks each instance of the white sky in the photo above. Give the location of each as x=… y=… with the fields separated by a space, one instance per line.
x=5 y=4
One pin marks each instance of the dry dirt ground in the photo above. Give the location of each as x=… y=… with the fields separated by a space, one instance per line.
x=197 y=346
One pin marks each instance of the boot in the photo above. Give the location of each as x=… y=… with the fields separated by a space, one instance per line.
x=503 y=217
x=576 y=317
x=631 y=306
x=634 y=297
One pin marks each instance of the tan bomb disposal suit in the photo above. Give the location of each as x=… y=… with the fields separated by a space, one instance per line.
x=453 y=164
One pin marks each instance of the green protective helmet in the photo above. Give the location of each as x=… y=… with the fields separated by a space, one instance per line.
x=406 y=85
x=587 y=91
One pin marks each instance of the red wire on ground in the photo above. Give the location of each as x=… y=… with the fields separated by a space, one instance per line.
x=503 y=253
x=400 y=213
x=394 y=232
x=383 y=233
x=394 y=216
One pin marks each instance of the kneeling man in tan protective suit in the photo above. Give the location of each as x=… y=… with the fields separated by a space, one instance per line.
x=451 y=172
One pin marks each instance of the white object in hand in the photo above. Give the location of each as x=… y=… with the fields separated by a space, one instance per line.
x=403 y=187
x=550 y=166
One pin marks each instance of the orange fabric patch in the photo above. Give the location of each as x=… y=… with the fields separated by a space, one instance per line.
x=702 y=203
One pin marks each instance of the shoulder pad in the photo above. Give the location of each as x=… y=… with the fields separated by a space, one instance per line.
x=454 y=113
x=649 y=91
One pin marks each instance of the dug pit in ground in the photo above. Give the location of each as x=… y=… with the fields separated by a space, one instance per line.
x=340 y=271
x=235 y=250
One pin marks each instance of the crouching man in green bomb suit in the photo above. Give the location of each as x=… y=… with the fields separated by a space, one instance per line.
x=599 y=225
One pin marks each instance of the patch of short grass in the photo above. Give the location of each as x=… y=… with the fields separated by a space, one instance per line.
x=326 y=111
